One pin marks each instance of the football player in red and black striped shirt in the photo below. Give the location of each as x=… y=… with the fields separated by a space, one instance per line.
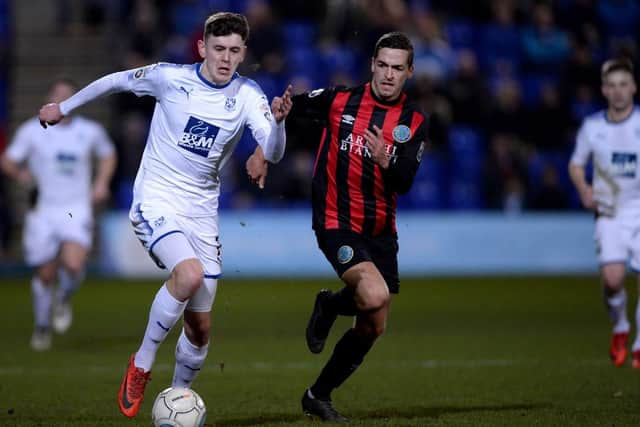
x=371 y=143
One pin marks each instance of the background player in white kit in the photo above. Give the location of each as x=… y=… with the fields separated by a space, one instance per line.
x=612 y=139
x=58 y=230
x=200 y=115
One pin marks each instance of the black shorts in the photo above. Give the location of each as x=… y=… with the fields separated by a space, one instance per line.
x=344 y=249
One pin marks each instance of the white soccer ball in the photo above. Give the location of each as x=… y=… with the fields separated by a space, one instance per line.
x=178 y=407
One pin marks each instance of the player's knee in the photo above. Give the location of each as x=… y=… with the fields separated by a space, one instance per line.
x=74 y=268
x=612 y=282
x=373 y=298
x=47 y=274
x=189 y=276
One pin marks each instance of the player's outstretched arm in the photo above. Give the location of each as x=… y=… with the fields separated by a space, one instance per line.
x=50 y=114
x=578 y=177
x=105 y=170
x=257 y=167
x=281 y=105
x=15 y=171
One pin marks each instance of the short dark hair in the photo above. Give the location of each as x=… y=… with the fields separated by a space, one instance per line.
x=616 y=64
x=395 y=40
x=226 y=23
x=62 y=80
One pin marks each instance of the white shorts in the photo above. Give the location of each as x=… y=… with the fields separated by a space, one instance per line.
x=45 y=230
x=171 y=238
x=618 y=240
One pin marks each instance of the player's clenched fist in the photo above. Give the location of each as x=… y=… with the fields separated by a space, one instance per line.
x=50 y=114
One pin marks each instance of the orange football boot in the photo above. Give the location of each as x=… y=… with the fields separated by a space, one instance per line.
x=618 y=349
x=132 y=389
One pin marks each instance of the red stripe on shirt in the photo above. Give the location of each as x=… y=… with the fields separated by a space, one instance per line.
x=331 y=200
x=390 y=122
x=355 y=162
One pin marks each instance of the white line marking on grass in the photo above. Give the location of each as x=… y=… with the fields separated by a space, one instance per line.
x=213 y=365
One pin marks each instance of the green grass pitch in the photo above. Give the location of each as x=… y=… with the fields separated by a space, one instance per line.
x=457 y=352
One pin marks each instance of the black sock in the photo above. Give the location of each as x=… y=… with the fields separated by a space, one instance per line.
x=347 y=356
x=343 y=302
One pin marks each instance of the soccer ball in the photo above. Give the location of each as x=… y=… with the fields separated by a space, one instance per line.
x=178 y=407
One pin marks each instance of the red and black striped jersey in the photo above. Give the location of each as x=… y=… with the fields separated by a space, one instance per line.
x=350 y=191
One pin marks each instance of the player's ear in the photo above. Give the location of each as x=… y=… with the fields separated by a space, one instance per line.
x=201 y=48
x=373 y=60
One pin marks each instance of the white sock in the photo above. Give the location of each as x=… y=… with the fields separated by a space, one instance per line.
x=189 y=361
x=68 y=284
x=42 y=297
x=616 y=303
x=636 y=343
x=165 y=312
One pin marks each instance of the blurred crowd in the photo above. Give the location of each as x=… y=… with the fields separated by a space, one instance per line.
x=506 y=83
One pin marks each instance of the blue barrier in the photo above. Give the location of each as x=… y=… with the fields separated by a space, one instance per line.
x=273 y=243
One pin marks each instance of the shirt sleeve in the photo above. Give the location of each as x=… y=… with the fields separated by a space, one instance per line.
x=20 y=147
x=404 y=165
x=314 y=105
x=270 y=135
x=140 y=81
x=582 y=150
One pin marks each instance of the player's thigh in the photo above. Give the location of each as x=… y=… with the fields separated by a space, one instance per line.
x=611 y=241
x=371 y=292
x=384 y=252
x=343 y=249
x=161 y=235
x=75 y=226
x=40 y=241
x=73 y=256
x=204 y=238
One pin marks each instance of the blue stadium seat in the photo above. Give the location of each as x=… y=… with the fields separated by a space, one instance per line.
x=461 y=33
x=466 y=152
x=465 y=194
x=531 y=85
x=299 y=33
x=272 y=85
x=305 y=61
x=339 y=58
x=429 y=186
x=499 y=44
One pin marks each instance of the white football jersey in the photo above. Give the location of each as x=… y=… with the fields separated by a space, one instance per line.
x=60 y=159
x=615 y=151
x=195 y=127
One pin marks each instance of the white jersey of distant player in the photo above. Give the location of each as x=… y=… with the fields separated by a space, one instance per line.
x=615 y=151
x=195 y=127
x=60 y=159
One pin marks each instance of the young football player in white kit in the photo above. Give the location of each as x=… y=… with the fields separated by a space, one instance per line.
x=611 y=138
x=200 y=114
x=58 y=230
